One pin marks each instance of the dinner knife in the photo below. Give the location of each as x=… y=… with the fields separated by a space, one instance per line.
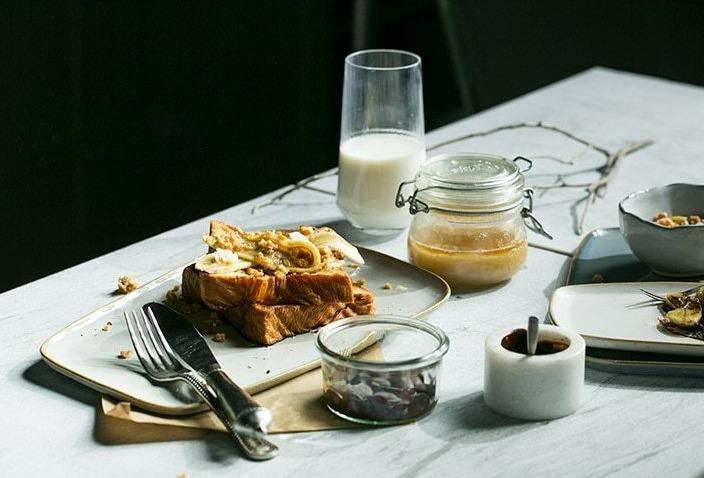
x=246 y=415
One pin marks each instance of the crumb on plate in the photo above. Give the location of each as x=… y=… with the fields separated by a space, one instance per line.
x=107 y=326
x=126 y=284
x=124 y=354
x=219 y=337
x=387 y=286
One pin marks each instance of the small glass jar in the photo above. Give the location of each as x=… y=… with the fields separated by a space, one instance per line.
x=381 y=370
x=468 y=218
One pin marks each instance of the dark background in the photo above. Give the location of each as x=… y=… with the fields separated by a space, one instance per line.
x=116 y=117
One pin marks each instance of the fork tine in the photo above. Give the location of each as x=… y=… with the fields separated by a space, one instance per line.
x=693 y=289
x=148 y=343
x=142 y=354
x=161 y=339
x=653 y=296
x=157 y=337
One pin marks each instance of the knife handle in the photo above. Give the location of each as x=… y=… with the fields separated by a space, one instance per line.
x=246 y=415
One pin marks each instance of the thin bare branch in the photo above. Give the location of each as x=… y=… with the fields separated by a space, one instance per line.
x=605 y=152
x=595 y=189
x=304 y=183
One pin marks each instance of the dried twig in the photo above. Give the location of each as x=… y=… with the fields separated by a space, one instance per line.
x=302 y=184
x=538 y=124
x=607 y=171
x=593 y=190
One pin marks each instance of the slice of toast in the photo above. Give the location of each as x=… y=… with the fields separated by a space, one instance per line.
x=222 y=291
x=267 y=306
x=268 y=324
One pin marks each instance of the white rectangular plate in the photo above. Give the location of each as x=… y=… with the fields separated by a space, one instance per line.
x=608 y=316
x=88 y=354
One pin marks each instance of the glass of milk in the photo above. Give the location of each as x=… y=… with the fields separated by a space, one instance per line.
x=381 y=137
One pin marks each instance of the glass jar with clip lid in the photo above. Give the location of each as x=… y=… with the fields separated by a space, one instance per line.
x=469 y=218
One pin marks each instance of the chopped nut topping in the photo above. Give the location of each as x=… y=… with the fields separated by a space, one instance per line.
x=666 y=221
x=219 y=337
x=126 y=284
x=124 y=354
x=107 y=326
x=387 y=286
x=172 y=296
x=306 y=230
x=251 y=271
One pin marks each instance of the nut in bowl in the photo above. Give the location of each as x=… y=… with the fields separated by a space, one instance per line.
x=669 y=250
x=381 y=370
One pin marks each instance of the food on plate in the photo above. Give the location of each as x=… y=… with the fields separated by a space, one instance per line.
x=126 y=284
x=683 y=313
x=274 y=284
x=124 y=354
x=664 y=219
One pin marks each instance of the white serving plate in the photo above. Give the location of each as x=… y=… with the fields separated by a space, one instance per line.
x=86 y=353
x=608 y=316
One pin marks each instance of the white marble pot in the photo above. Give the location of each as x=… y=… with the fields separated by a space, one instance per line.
x=534 y=387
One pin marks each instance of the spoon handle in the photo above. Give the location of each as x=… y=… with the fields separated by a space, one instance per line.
x=532 y=335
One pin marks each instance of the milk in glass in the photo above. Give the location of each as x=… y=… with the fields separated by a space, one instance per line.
x=371 y=168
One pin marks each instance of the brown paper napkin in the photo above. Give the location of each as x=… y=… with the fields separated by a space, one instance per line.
x=297 y=406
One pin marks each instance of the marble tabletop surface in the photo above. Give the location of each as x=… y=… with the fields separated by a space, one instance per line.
x=629 y=425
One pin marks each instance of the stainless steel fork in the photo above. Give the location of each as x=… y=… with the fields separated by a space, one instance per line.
x=162 y=365
x=657 y=298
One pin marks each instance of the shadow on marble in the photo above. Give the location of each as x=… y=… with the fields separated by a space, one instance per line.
x=39 y=373
x=644 y=382
x=468 y=420
x=358 y=236
x=559 y=281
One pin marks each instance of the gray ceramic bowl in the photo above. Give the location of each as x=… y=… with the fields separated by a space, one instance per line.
x=676 y=252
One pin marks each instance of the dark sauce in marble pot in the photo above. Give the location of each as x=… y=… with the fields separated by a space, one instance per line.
x=517 y=341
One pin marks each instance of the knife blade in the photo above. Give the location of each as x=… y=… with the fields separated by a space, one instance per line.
x=246 y=415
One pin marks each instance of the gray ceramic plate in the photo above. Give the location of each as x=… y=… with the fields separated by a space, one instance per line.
x=604 y=253
x=86 y=353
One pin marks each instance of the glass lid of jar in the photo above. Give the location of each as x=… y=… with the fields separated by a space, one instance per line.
x=471 y=182
x=470 y=171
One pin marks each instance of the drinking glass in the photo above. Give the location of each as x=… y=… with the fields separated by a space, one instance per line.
x=381 y=137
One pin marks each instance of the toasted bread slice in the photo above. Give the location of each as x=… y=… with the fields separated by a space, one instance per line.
x=222 y=291
x=268 y=324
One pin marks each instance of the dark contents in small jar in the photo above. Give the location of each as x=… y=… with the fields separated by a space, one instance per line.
x=517 y=341
x=380 y=396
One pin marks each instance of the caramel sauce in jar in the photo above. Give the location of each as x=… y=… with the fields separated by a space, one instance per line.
x=467 y=268
x=468 y=257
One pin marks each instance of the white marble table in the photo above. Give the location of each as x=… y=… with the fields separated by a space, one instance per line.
x=629 y=425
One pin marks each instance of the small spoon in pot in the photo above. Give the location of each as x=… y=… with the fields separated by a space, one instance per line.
x=532 y=335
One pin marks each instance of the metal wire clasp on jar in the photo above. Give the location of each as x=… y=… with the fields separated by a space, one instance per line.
x=469 y=218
